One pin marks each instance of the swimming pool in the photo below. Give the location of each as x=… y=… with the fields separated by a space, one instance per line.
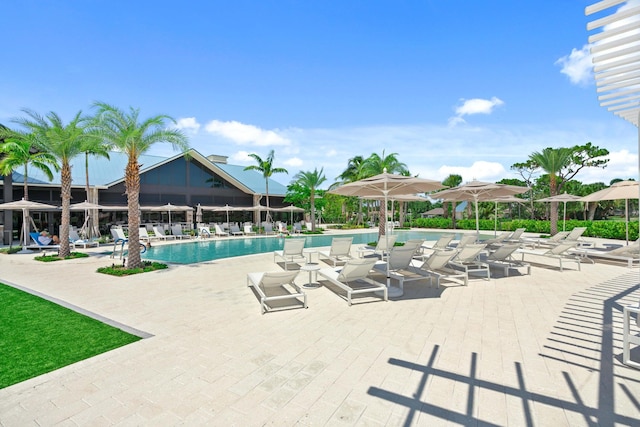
x=208 y=250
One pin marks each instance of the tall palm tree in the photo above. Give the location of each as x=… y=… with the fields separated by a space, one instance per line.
x=451 y=181
x=353 y=172
x=265 y=167
x=19 y=149
x=376 y=164
x=64 y=142
x=311 y=180
x=133 y=136
x=552 y=160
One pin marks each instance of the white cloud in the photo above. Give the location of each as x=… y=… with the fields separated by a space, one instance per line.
x=479 y=170
x=243 y=134
x=474 y=106
x=622 y=164
x=294 y=161
x=577 y=66
x=188 y=124
x=241 y=157
x=478 y=106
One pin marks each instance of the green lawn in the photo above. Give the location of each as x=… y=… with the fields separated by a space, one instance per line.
x=38 y=336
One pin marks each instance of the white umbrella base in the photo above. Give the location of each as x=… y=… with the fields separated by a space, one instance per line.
x=392 y=292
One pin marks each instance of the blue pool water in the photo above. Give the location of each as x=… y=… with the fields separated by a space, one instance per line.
x=207 y=250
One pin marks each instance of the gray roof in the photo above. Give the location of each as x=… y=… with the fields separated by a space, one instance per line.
x=106 y=172
x=253 y=180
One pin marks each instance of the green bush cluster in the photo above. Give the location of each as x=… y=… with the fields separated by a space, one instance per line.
x=603 y=229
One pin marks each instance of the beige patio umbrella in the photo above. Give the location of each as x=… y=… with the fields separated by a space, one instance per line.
x=86 y=206
x=387 y=185
x=168 y=208
x=289 y=208
x=25 y=205
x=626 y=190
x=503 y=199
x=478 y=191
x=564 y=198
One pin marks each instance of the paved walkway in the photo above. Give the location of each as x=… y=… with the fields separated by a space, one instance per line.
x=541 y=350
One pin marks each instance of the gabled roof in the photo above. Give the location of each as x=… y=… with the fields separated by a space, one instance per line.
x=104 y=173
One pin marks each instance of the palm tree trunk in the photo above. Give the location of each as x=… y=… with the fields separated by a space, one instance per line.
x=313 y=211
x=65 y=178
x=382 y=221
x=25 y=187
x=132 y=185
x=268 y=215
x=553 y=215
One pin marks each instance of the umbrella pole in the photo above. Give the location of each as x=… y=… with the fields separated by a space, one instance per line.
x=495 y=222
x=477 y=216
x=564 y=217
x=626 y=218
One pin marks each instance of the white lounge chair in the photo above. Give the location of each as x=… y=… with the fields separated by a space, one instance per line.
x=468 y=258
x=467 y=239
x=144 y=235
x=297 y=228
x=340 y=250
x=276 y=286
x=442 y=244
x=268 y=228
x=218 y=231
x=76 y=241
x=563 y=251
x=629 y=253
x=630 y=337
x=40 y=244
x=176 y=230
x=437 y=266
x=234 y=229
x=248 y=230
x=499 y=239
x=551 y=241
x=399 y=267
x=381 y=250
x=353 y=278
x=292 y=253
x=160 y=234
x=516 y=236
x=502 y=257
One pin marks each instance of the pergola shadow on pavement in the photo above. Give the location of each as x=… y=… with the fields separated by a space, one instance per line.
x=585 y=347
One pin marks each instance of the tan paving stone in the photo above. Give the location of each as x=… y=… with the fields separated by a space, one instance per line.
x=213 y=355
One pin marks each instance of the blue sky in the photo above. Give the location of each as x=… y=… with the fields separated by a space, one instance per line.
x=456 y=86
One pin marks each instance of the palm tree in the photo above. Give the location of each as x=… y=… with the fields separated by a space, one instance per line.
x=265 y=167
x=552 y=160
x=20 y=149
x=64 y=142
x=311 y=180
x=126 y=132
x=451 y=181
x=353 y=172
x=376 y=164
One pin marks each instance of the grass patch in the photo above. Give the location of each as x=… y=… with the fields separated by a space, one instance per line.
x=11 y=250
x=119 y=270
x=51 y=258
x=38 y=336
x=374 y=244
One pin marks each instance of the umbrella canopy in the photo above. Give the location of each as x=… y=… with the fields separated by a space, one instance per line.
x=25 y=205
x=83 y=206
x=289 y=208
x=620 y=190
x=168 y=208
x=388 y=185
x=479 y=191
x=564 y=198
x=503 y=199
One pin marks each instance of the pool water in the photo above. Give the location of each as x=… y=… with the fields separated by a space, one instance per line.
x=208 y=250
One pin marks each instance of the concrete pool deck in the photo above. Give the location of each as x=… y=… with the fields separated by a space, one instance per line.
x=542 y=349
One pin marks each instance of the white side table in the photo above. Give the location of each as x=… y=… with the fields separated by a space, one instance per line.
x=311 y=267
x=628 y=338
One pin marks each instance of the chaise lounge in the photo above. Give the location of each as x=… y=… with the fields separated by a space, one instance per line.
x=353 y=278
x=276 y=286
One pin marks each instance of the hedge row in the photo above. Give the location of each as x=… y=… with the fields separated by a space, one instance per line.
x=604 y=229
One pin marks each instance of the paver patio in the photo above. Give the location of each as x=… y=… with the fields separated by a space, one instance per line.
x=541 y=349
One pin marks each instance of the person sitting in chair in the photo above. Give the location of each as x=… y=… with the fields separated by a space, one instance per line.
x=45 y=238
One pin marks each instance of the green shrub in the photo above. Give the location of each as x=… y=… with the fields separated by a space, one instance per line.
x=50 y=258
x=119 y=270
